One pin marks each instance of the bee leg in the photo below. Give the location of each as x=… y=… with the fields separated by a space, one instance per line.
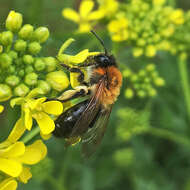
x=76 y=70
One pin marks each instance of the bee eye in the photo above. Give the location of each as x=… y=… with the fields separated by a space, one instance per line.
x=102 y=59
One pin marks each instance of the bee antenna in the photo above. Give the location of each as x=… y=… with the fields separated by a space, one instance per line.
x=100 y=40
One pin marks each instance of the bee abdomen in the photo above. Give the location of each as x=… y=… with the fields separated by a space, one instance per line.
x=65 y=122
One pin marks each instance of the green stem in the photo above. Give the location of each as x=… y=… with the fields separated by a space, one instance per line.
x=31 y=135
x=185 y=83
x=164 y=133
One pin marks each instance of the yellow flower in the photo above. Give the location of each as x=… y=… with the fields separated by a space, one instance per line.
x=1 y=108
x=73 y=60
x=109 y=7
x=158 y=2
x=118 y=29
x=150 y=51
x=177 y=16
x=8 y=184
x=85 y=17
x=39 y=110
x=14 y=157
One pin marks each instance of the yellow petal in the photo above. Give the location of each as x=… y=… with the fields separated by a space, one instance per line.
x=45 y=123
x=34 y=104
x=96 y=15
x=84 y=27
x=16 y=101
x=25 y=175
x=17 y=131
x=34 y=153
x=85 y=8
x=70 y=14
x=45 y=137
x=80 y=57
x=10 y=167
x=27 y=118
x=14 y=150
x=8 y=184
x=53 y=107
x=1 y=108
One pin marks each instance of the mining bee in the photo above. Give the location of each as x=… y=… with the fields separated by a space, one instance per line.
x=88 y=119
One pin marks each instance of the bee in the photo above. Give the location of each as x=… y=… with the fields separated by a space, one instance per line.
x=88 y=119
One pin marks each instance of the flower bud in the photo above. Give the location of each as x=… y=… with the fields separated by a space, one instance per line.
x=29 y=69
x=21 y=73
x=134 y=78
x=20 y=45
x=5 y=60
x=44 y=86
x=14 y=21
x=5 y=92
x=137 y=52
x=58 y=80
x=41 y=34
x=39 y=65
x=129 y=93
x=1 y=49
x=6 y=38
x=21 y=90
x=127 y=73
x=26 y=32
x=152 y=92
x=18 y=61
x=12 y=80
x=159 y=81
x=13 y=54
x=51 y=63
x=142 y=73
x=150 y=51
x=31 y=79
x=34 y=48
x=150 y=67
x=141 y=93
x=28 y=59
x=11 y=69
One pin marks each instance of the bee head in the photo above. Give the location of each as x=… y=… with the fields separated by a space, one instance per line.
x=104 y=60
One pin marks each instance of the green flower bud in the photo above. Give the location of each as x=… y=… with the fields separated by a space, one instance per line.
x=154 y=74
x=29 y=69
x=129 y=93
x=152 y=92
x=147 y=80
x=134 y=78
x=150 y=67
x=142 y=73
x=58 y=80
x=41 y=34
x=1 y=49
x=6 y=38
x=51 y=63
x=5 y=92
x=5 y=60
x=137 y=86
x=39 y=65
x=44 y=86
x=150 y=51
x=141 y=93
x=159 y=81
x=11 y=69
x=137 y=52
x=141 y=42
x=14 y=21
x=31 y=79
x=18 y=61
x=26 y=32
x=127 y=73
x=20 y=45
x=12 y=80
x=21 y=73
x=34 y=48
x=28 y=59
x=13 y=54
x=21 y=90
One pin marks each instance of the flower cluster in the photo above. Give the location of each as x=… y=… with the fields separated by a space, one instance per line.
x=142 y=83
x=21 y=67
x=27 y=79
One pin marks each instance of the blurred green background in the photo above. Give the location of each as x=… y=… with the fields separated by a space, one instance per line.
x=148 y=159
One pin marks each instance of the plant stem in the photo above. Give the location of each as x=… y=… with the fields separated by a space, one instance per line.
x=185 y=83
x=30 y=135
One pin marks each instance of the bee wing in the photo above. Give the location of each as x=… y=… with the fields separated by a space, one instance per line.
x=93 y=137
x=90 y=112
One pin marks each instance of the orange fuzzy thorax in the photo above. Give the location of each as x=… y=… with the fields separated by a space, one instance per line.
x=111 y=90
